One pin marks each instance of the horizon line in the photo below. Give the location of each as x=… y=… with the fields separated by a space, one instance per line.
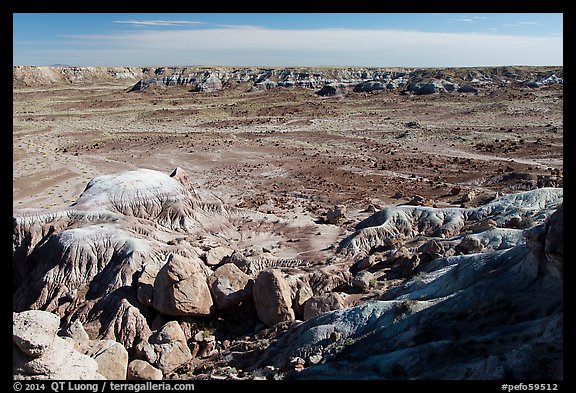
x=284 y=66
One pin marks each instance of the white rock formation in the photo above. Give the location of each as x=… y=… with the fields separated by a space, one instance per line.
x=407 y=222
x=98 y=260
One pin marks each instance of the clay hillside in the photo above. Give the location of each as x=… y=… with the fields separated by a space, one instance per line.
x=252 y=223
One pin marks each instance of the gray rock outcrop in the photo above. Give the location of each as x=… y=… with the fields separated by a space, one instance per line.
x=210 y=79
x=210 y=84
x=499 y=328
x=402 y=223
x=327 y=91
x=467 y=89
x=369 y=86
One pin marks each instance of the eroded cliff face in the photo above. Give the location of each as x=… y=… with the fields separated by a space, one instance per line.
x=357 y=79
x=32 y=76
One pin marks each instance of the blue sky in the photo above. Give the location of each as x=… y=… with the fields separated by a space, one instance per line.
x=283 y=39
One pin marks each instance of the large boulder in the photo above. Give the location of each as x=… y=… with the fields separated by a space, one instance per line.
x=112 y=357
x=215 y=255
x=366 y=262
x=363 y=280
x=470 y=244
x=38 y=353
x=272 y=297
x=229 y=286
x=180 y=288
x=34 y=331
x=170 y=348
x=302 y=293
x=426 y=88
x=320 y=304
x=140 y=370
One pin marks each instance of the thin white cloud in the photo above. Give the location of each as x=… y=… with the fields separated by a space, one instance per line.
x=239 y=26
x=310 y=47
x=159 y=22
x=521 y=24
x=469 y=19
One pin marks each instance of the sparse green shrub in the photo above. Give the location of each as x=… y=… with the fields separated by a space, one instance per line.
x=526 y=222
x=402 y=308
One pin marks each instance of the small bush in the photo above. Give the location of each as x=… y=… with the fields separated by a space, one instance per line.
x=526 y=222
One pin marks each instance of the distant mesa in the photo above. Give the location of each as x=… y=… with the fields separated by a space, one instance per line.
x=326 y=81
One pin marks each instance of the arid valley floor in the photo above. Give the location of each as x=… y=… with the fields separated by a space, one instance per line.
x=270 y=146
x=291 y=156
